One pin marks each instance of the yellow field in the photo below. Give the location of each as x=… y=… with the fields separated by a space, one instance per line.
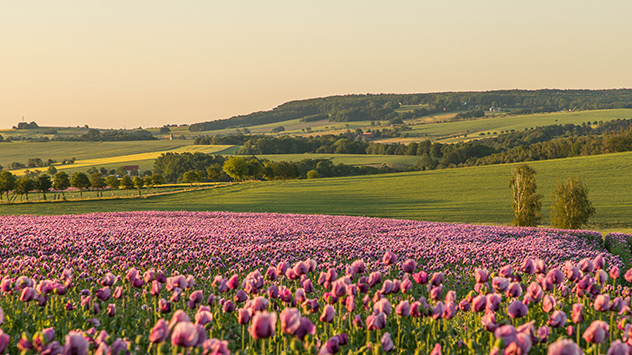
x=128 y=159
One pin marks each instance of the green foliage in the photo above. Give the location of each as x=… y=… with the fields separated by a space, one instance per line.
x=80 y=181
x=96 y=180
x=571 y=208
x=280 y=170
x=43 y=183
x=525 y=201
x=126 y=182
x=23 y=186
x=157 y=179
x=61 y=181
x=52 y=170
x=138 y=183
x=112 y=181
x=173 y=165
x=215 y=172
x=313 y=174
x=192 y=177
x=7 y=182
x=236 y=167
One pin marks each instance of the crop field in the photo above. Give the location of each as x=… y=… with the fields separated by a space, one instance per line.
x=22 y=151
x=113 y=283
x=105 y=154
x=469 y=195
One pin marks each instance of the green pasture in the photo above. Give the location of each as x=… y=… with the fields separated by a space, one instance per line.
x=22 y=151
x=495 y=124
x=102 y=154
x=468 y=195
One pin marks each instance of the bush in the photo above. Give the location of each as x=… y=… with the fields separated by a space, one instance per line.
x=571 y=207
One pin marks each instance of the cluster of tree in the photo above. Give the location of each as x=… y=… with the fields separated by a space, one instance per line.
x=469 y=114
x=338 y=144
x=383 y=106
x=174 y=165
x=571 y=207
x=61 y=181
x=25 y=125
x=198 y=167
x=313 y=118
x=563 y=148
x=240 y=168
x=95 y=135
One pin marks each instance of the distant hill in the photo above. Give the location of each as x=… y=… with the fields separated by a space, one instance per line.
x=381 y=107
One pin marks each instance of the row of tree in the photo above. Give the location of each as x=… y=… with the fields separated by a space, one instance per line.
x=571 y=207
x=61 y=181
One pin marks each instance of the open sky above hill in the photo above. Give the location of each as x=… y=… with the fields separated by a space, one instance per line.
x=125 y=64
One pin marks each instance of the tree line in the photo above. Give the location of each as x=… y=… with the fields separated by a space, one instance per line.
x=383 y=106
x=198 y=167
x=61 y=181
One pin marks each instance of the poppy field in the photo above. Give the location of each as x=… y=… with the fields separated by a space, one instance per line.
x=247 y=283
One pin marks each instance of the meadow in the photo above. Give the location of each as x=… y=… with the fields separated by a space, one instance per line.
x=101 y=154
x=124 y=283
x=467 y=195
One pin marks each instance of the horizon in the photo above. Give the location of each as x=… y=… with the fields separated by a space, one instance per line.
x=147 y=64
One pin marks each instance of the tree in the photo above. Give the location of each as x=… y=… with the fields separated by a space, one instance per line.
x=52 y=170
x=113 y=182
x=61 y=182
x=127 y=183
x=156 y=180
x=526 y=202
x=97 y=181
x=148 y=182
x=43 y=183
x=281 y=170
x=313 y=174
x=236 y=167
x=23 y=186
x=191 y=177
x=138 y=183
x=7 y=183
x=255 y=169
x=571 y=207
x=81 y=181
x=92 y=170
x=120 y=171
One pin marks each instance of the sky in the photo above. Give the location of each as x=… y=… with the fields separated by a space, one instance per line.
x=147 y=63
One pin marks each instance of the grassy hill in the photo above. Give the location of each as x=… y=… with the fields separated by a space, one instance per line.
x=468 y=195
x=435 y=127
x=142 y=153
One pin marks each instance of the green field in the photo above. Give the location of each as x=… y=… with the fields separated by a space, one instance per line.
x=468 y=195
x=101 y=154
x=493 y=125
x=434 y=127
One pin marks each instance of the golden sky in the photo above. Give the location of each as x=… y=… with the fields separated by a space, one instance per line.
x=145 y=63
